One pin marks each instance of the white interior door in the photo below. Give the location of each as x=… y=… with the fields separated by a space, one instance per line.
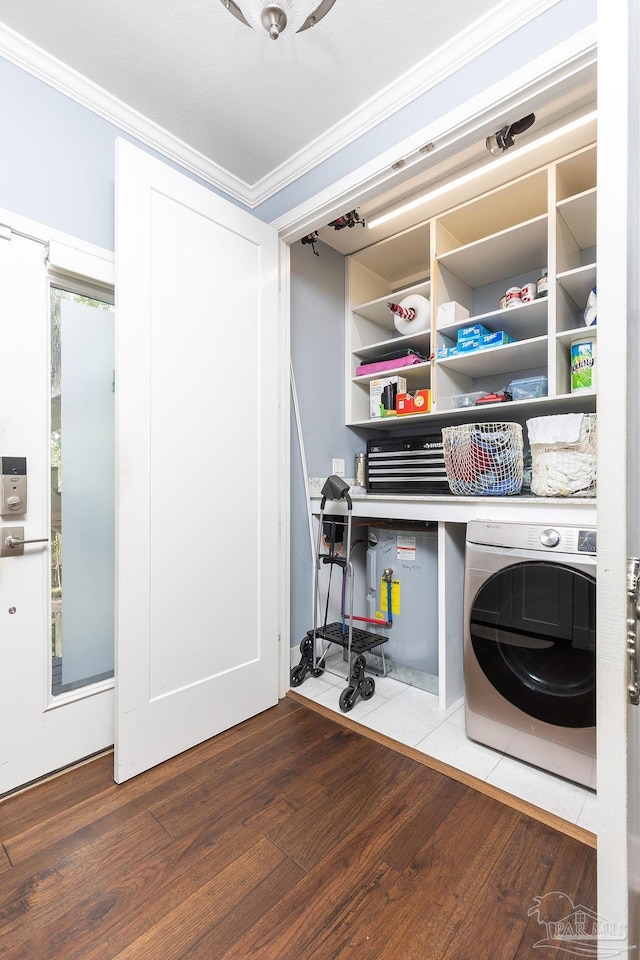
x=44 y=726
x=197 y=424
x=619 y=458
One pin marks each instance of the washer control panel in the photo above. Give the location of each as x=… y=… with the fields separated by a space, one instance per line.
x=533 y=536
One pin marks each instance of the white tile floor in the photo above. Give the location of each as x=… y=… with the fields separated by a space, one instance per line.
x=412 y=717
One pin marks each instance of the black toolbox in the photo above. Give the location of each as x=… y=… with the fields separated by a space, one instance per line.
x=407 y=465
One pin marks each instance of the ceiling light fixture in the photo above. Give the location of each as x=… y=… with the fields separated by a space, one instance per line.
x=298 y=15
x=479 y=171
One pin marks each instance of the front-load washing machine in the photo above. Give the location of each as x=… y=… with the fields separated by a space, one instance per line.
x=530 y=642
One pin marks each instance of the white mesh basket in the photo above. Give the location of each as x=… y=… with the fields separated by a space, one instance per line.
x=483 y=459
x=561 y=468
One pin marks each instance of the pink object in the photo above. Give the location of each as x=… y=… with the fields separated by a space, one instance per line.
x=379 y=365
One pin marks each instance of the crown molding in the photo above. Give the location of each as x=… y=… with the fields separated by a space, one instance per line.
x=471 y=43
x=40 y=64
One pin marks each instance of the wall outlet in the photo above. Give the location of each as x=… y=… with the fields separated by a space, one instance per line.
x=338 y=468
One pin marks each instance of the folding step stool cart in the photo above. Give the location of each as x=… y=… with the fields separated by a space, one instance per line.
x=355 y=641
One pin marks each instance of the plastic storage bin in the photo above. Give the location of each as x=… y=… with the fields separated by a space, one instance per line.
x=528 y=388
x=467 y=399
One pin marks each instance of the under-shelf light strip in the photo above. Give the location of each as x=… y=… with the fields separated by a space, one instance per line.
x=474 y=174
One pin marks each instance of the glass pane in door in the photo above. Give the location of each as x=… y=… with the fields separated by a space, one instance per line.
x=82 y=490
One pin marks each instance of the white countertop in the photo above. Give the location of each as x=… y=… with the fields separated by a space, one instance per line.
x=455 y=509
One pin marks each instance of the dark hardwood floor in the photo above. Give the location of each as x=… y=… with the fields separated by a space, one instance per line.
x=289 y=837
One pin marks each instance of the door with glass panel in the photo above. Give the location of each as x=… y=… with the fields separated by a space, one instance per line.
x=82 y=490
x=57 y=388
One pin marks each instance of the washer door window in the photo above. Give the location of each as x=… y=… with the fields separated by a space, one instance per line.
x=533 y=630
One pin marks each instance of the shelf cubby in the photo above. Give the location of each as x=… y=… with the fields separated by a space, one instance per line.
x=578 y=283
x=417 y=375
x=495 y=212
x=377 y=310
x=576 y=173
x=578 y=213
x=502 y=255
x=420 y=342
x=390 y=265
x=522 y=323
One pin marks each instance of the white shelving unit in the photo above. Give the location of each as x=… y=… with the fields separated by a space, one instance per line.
x=472 y=253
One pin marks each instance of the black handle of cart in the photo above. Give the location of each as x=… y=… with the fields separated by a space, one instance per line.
x=355 y=641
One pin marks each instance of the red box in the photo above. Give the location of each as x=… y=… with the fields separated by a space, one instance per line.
x=417 y=402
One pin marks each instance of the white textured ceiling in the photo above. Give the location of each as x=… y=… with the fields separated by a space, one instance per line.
x=242 y=100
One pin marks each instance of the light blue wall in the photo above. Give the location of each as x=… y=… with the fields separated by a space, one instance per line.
x=57 y=159
x=317 y=355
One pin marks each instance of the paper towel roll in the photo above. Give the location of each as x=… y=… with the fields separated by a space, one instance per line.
x=422 y=318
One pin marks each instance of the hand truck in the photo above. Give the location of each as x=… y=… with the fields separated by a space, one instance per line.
x=355 y=641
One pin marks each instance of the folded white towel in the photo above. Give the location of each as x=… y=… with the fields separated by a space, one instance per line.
x=562 y=428
x=564 y=474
